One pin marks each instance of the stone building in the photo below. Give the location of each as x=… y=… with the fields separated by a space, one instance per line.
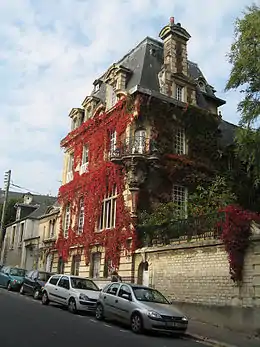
x=117 y=132
x=21 y=242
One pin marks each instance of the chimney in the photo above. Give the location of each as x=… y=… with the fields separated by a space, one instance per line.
x=175 y=39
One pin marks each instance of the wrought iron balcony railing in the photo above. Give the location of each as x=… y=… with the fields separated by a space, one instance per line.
x=133 y=146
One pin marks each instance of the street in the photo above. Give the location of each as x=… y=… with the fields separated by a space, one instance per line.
x=26 y=322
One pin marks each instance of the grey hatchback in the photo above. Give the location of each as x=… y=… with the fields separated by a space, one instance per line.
x=141 y=307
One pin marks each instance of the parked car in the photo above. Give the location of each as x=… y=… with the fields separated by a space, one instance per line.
x=140 y=307
x=77 y=293
x=34 y=282
x=12 y=277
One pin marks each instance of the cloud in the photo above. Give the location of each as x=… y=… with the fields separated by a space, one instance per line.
x=51 y=52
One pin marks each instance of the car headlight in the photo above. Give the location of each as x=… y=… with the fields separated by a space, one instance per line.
x=184 y=319
x=154 y=315
x=83 y=297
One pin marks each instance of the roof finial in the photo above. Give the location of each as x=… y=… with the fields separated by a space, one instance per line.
x=171 y=21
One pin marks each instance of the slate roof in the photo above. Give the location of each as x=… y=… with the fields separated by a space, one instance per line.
x=145 y=62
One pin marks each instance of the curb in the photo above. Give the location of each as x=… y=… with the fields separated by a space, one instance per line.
x=207 y=340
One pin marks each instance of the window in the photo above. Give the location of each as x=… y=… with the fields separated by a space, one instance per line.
x=21 y=234
x=111 y=96
x=179 y=196
x=139 y=144
x=18 y=213
x=66 y=223
x=54 y=280
x=70 y=167
x=125 y=292
x=74 y=124
x=64 y=282
x=107 y=268
x=87 y=113
x=179 y=93
x=113 y=289
x=75 y=264
x=180 y=141
x=81 y=216
x=51 y=228
x=95 y=265
x=85 y=155
x=202 y=86
x=61 y=265
x=108 y=211
x=13 y=236
x=112 y=141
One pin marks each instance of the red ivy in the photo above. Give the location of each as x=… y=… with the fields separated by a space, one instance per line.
x=236 y=230
x=93 y=185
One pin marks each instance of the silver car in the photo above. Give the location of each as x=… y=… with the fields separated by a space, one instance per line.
x=141 y=307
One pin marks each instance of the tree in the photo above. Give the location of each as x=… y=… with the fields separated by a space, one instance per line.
x=10 y=212
x=244 y=56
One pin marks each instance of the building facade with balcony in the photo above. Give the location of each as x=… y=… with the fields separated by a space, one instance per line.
x=138 y=118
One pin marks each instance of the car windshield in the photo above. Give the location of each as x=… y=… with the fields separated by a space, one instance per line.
x=83 y=283
x=17 y=272
x=44 y=276
x=149 y=295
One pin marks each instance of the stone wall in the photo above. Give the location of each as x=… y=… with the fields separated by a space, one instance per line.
x=198 y=272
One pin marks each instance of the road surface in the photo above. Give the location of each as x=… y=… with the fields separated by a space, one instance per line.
x=26 y=322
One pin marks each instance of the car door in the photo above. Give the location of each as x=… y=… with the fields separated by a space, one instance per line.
x=62 y=290
x=123 y=303
x=28 y=282
x=51 y=286
x=5 y=276
x=109 y=299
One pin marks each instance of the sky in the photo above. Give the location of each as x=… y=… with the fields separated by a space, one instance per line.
x=51 y=51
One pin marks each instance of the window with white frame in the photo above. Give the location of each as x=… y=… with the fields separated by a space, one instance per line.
x=87 y=113
x=81 y=216
x=108 y=211
x=51 y=228
x=180 y=141
x=85 y=155
x=66 y=221
x=71 y=162
x=111 y=96
x=179 y=92
x=180 y=197
x=74 y=123
x=112 y=142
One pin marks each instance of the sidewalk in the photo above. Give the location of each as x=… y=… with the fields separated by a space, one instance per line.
x=220 y=336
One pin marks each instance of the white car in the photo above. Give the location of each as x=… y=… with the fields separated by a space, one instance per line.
x=77 y=293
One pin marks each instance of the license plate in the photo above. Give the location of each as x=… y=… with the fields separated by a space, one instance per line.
x=177 y=325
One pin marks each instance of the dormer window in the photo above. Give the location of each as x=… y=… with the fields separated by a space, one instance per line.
x=179 y=92
x=74 y=124
x=96 y=87
x=202 y=86
x=87 y=113
x=111 y=96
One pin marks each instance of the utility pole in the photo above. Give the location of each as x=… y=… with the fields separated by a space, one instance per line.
x=7 y=180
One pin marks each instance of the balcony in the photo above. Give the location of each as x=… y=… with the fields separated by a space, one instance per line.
x=69 y=176
x=133 y=147
x=83 y=168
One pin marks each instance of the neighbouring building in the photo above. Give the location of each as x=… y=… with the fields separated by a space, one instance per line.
x=21 y=242
x=48 y=232
x=149 y=131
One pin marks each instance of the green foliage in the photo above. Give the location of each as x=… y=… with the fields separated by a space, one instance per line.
x=162 y=213
x=10 y=211
x=207 y=200
x=245 y=59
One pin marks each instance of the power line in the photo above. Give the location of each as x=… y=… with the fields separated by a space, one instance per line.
x=23 y=188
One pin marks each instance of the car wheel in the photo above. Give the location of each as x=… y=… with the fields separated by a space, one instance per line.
x=36 y=294
x=9 y=287
x=72 y=306
x=99 y=312
x=22 y=290
x=136 y=323
x=45 y=299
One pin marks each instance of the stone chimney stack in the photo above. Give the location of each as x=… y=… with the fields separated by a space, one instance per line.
x=175 y=39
